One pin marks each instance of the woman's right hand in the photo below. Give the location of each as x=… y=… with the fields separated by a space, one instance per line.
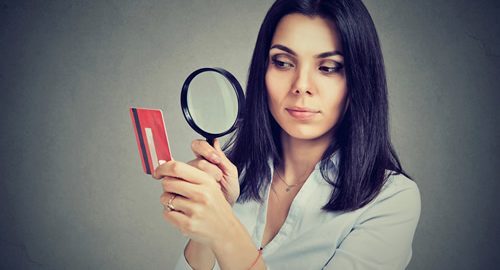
x=213 y=161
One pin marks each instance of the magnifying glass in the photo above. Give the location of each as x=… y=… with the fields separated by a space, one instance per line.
x=212 y=102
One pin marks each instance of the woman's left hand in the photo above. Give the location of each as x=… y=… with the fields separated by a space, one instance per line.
x=201 y=211
x=212 y=160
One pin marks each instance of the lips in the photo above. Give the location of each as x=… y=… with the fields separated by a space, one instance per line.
x=302 y=113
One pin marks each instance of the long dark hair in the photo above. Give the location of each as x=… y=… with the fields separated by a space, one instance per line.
x=362 y=135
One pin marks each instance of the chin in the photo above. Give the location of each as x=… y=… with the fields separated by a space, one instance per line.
x=306 y=133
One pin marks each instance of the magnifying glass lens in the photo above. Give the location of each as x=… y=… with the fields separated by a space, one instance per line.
x=212 y=102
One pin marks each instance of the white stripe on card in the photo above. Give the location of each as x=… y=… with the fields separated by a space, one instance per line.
x=152 y=149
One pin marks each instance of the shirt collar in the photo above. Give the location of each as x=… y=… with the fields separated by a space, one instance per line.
x=332 y=161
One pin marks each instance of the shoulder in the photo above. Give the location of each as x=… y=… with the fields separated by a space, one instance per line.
x=382 y=233
x=397 y=183
x=399 y=198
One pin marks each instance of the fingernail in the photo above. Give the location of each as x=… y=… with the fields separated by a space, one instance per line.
x=161 y=161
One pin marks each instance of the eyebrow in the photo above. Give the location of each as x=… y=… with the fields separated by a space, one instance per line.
x=321 y=55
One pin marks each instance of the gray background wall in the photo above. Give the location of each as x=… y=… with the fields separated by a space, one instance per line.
x=73 y=195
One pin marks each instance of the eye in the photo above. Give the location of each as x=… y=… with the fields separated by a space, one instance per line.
x=329 y=69
x=281 y=64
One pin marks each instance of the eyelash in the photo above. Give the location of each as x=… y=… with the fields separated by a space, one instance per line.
x=281 y=65
x=330 y=70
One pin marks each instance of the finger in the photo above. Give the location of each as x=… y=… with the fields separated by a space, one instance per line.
x=154 y=175
x=183 y=171
x=225 y=184
x=183 y=188
x=178 y=202
x=208 y=167
x=169 y=178
x=164 y=198
x=177 y=219
x=204 y=150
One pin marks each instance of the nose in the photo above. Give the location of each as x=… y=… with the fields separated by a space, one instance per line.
x=303 y=82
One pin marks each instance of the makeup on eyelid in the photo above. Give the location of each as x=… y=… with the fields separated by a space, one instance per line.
x=327 y=69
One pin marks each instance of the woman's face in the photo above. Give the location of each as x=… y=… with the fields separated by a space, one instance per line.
x=305 y=79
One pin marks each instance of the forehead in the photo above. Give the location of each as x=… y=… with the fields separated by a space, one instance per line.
x=306 y=34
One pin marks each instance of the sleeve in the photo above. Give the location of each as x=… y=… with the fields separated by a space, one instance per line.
x=182 y=264
x=382 y=238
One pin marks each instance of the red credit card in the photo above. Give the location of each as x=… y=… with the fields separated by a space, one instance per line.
x=151 y=137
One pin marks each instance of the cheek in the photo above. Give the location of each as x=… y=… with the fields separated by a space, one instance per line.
x=335 y=98
x=273 y=81
x=276 y=86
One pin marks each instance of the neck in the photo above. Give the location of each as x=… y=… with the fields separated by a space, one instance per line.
x=301 y=156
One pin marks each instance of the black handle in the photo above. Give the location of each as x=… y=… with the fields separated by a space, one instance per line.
x=210 y=141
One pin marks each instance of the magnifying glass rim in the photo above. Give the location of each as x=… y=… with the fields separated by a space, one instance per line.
x=239 y=95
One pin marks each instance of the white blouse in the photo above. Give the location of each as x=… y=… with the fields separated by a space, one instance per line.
x=376 y=236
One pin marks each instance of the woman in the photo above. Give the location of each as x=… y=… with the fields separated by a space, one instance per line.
x=321 y=186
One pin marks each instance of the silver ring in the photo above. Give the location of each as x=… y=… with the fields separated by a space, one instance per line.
x=170 y=206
